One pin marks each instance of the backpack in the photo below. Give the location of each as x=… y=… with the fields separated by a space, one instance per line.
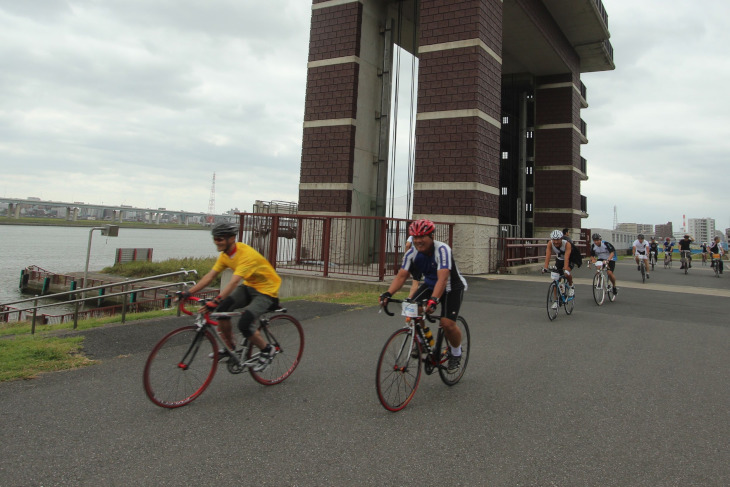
x=576 y=258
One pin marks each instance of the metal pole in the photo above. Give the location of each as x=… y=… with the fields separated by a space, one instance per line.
x=35 y=311
x=88 y=253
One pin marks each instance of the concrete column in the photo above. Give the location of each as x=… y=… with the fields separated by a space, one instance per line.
x=342 y=107
x=458 y=123
x=558 y=139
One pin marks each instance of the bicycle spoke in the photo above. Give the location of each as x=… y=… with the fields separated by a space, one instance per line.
x=399 y=370
x=284 y=333
x=179 y=368
x=451 y=378
x=552 y=301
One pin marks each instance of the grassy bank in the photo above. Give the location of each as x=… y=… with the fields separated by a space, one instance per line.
x=24 y=356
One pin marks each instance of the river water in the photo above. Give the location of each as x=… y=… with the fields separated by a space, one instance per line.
x=63 y=249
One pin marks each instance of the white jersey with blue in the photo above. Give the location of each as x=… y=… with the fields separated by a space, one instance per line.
x=429 y=265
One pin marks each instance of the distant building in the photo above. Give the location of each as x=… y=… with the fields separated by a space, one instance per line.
x=620 y=239
x=702 y=229
x=663 y=231
x=636 y=228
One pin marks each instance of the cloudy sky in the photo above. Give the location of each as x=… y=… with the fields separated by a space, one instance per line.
x=139 y=102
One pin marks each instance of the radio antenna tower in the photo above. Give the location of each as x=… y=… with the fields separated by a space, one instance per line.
x=211 y=202
x=615 y=218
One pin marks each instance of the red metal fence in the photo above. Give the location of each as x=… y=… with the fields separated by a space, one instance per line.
x=508 y=252
x=332 y=245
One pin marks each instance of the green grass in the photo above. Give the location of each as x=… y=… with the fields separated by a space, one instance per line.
x=24 y=357
x=140 y=269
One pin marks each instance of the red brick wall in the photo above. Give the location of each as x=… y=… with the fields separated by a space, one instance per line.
x=459 y=79
x=457 y=149
x=457 y=20
x=335 y=31
x=328 y=154
x=331 y=92
x=325 y=200
x=473 y=203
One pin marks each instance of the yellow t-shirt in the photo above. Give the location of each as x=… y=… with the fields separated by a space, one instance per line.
x=252 y=267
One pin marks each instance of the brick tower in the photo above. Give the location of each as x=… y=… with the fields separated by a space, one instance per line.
x=498 y=127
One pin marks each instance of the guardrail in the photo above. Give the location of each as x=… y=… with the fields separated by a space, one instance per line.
x=520 y=251
x=5 y=312
x=332 y=245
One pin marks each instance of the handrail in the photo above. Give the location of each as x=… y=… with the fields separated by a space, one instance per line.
x=103 y=286
x=82 y=291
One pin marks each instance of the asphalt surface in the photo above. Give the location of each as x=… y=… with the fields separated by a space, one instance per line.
x=632 y=393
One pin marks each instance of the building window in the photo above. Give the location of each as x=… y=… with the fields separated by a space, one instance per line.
x=528 y=170
x=504 y=190
x=505 y=155
x=505 y=120
x=529 y=134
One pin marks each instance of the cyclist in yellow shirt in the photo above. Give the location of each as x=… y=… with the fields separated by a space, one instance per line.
x=253 y=287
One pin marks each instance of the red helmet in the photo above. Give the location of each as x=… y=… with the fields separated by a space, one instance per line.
x=421 y=227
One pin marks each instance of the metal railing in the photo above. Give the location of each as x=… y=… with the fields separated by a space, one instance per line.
x=332 y=245
x=508 y=252
x=5 y=312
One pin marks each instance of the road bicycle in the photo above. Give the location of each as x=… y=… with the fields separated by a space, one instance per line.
x=557 y=296
x=685 y=259
x=182 y=364
x=399 y=364
x=667 y=260
x=716 y=264
x=652 y=260
x=642 y=267
x=602 y=284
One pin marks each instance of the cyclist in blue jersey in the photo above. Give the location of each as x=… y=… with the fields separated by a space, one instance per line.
x=442 y=283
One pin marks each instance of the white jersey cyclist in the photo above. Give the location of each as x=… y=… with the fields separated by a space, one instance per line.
x=603 y=251
x=429 y=265
x=641 y=247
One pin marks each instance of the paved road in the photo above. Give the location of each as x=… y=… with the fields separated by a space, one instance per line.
x=635 y=392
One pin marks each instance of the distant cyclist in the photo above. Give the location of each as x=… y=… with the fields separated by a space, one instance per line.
x=668 y=248
x=604 y=251
x=561 y=249
x=254 y=287
x=716 y=249
x=686 y=250
x=640 y=248
x=653 y=250
x=433 y=262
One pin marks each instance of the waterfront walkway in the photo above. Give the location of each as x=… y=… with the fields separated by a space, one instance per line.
x=634 y=392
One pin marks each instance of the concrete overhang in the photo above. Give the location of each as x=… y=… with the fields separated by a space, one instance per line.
x=526 y=49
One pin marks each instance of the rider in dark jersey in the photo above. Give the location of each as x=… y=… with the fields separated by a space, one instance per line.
x=434 y=263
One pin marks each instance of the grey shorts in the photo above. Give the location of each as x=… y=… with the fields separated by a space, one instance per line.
x=248 y=299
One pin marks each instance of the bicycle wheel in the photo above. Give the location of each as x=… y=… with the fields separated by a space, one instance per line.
x=451 y=378
x=568 y=302
x=399 y=370
x=179 y=367
x=609 y=292
x=553 y=300
x=599 y=290
x=285 y=333
x=643 y=271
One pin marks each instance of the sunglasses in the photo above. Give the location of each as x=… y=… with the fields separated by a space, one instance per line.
x=219 y=239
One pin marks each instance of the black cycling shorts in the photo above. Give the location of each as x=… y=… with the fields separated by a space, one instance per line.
x=450 y=301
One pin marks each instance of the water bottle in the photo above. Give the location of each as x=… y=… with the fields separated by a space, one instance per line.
x=429 y=336
x=562 y=287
